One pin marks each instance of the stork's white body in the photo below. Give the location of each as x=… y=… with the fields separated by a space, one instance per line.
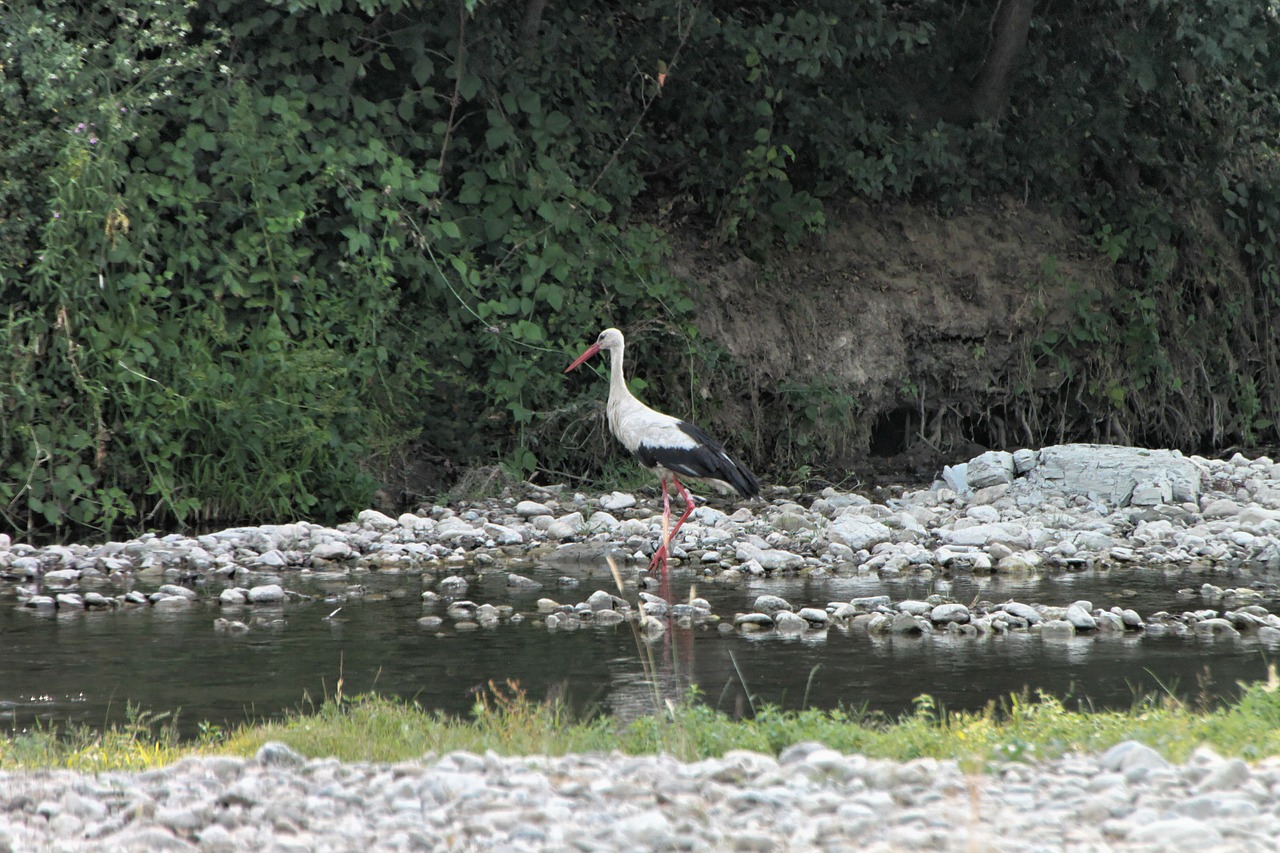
x=671 y=447
x=671 y=444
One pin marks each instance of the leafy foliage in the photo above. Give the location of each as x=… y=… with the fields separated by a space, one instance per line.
x=1164 y=147
x=250 y=247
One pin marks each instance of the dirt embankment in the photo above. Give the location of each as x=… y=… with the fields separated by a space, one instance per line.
x=903 y=337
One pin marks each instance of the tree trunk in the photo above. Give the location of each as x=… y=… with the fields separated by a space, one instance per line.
x=991 y=90
x=530 y=23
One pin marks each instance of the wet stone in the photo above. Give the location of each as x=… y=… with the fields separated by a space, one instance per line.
x=947 y=613
x=905 y=623
x=771 y=604
x=814 y=615
x=266 y=594
x=786 y=622
x=522 y=583
x=452 y=586
x=1057 y=629
x=1080 y=618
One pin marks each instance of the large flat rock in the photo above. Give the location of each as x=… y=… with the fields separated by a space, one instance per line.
x=1119 y=475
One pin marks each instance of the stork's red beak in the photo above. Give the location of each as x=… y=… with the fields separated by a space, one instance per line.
x=590 y=351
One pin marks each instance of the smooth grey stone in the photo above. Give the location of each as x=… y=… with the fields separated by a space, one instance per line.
x=272 y=559
x=503 y=535
x=1225 y=776
x=1080 y=618
x=276 y=754
x=271 y=593
x=905 y=623
x=786 y=622
x=1022 y=611
x=372 y=519
x=814 y=615
x=1215 y=627
x=771 y=604
x=520 y=582
x=334 y=550
x=461 y=610
x=233 y=596
x=797 y=752
x=1057 y=629
x=615 y=501
x=950 y=613
x=601 y=600
x=529 y=509
x=770 y=559
x=1131 y=754
x=858 y=532
x=452 y=586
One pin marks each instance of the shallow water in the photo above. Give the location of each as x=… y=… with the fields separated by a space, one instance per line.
x=87 y=667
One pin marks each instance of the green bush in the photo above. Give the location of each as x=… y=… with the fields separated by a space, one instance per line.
x=249 y=248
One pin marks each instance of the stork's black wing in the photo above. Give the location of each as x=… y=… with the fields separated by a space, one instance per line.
x=702 y=457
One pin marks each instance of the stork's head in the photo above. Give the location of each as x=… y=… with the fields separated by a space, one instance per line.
x=610 y=339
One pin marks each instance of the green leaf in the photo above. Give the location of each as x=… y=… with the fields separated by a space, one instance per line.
x=469 y=86
x=423 y=69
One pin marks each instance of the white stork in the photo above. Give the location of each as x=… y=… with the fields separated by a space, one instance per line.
x=671 y=447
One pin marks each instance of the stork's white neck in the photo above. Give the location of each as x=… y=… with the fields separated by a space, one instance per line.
x=618 y=390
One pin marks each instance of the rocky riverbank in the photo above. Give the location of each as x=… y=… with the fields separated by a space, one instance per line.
x=809 y=798
x=1055 y=510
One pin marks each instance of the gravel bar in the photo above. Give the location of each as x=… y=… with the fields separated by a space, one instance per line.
x=809 y=798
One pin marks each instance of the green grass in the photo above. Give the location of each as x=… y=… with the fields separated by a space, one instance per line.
x=143 y=740
x=376 y=728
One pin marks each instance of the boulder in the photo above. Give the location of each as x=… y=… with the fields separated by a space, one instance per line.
x=1112 y=473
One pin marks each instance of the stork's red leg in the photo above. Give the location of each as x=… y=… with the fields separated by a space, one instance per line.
x=688 y=505
x=660 y=555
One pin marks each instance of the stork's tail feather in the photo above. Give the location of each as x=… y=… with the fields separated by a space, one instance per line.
x=741 y=478
x=719 y=465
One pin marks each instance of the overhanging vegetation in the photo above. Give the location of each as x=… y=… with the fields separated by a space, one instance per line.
x=251 y=248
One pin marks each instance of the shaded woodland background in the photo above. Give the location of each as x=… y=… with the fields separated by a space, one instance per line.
x=260 y=257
